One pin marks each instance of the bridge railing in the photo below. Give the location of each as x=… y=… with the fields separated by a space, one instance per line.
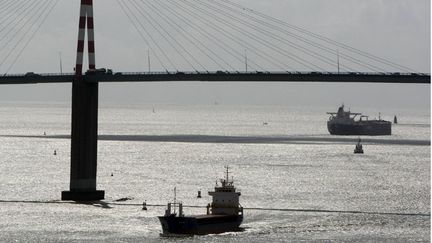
x=220 y=72
x=30 y=74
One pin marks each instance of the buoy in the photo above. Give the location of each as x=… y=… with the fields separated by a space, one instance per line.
x=55 y=152
x=359 y=148
x=199 y=194
x=144 y=205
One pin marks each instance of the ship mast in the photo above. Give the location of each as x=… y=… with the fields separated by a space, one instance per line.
x=227 y=171
x=175 y=195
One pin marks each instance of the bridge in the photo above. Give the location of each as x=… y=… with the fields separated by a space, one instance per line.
x=289 y=48
x=221 y=76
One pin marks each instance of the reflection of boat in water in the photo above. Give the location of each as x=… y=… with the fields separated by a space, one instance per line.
x=359 y=148
x=345 y=123
x=224 y=214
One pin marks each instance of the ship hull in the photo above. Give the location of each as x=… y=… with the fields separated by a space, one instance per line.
x=200 y=225
x=360 y=128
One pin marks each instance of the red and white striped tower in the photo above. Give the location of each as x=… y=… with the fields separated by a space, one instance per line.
x=84 y=118
x=86 y=15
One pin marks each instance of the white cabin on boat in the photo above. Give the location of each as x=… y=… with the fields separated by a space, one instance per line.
x=225 y=198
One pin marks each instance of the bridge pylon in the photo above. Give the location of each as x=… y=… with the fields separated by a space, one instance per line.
x=84 y=118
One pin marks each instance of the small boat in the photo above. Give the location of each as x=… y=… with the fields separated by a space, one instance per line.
x=224 y=214
x=359 y=147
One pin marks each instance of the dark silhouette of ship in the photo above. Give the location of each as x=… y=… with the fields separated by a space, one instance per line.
x=224 y=214
x=345 y=123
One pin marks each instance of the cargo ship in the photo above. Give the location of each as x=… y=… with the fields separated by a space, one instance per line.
x=224 y=214
x=347 y=123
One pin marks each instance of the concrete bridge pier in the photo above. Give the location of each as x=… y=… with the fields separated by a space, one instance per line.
x=84 y=143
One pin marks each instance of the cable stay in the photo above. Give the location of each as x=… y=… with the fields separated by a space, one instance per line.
x=123 y=8
x=298 y=47
x=180 y=30
x=167 y=36
x=9 y=18
x=205 y=35
x=25 y=31
x=20 y=33
x=241 y=42
x=132 y=17
x=19 y=22
x=283 y=31
x=257 y=38
x=320 y=37
x=9 y=8
x=148 y=20
x=42 y=21
x=214 y=39
x=272 y=35
x=228 y=49
x=207 y=32
x=176 y=28
x=247 y=35
x=329 y=50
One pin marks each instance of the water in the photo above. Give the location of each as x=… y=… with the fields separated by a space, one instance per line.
x=310 y=187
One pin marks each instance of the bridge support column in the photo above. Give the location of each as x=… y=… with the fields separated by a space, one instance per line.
x=84 y=118
x=84 y=143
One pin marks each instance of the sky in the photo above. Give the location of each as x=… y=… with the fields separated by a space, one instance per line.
x=397 y=30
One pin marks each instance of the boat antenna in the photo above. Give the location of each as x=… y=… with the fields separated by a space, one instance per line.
x=175 y=192
x=227 y=172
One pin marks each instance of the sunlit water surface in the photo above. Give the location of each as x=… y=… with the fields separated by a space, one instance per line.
x=388 y=187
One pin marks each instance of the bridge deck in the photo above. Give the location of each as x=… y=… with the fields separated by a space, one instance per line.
x=223 y=77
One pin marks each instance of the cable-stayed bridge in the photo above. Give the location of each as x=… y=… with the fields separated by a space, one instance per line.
x=203 y=36
x=214 y=41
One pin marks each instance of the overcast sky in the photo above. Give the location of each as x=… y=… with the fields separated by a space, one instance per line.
x=398 y=30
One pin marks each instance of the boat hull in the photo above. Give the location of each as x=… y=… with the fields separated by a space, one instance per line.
x=360 y=128
x=200 y=225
